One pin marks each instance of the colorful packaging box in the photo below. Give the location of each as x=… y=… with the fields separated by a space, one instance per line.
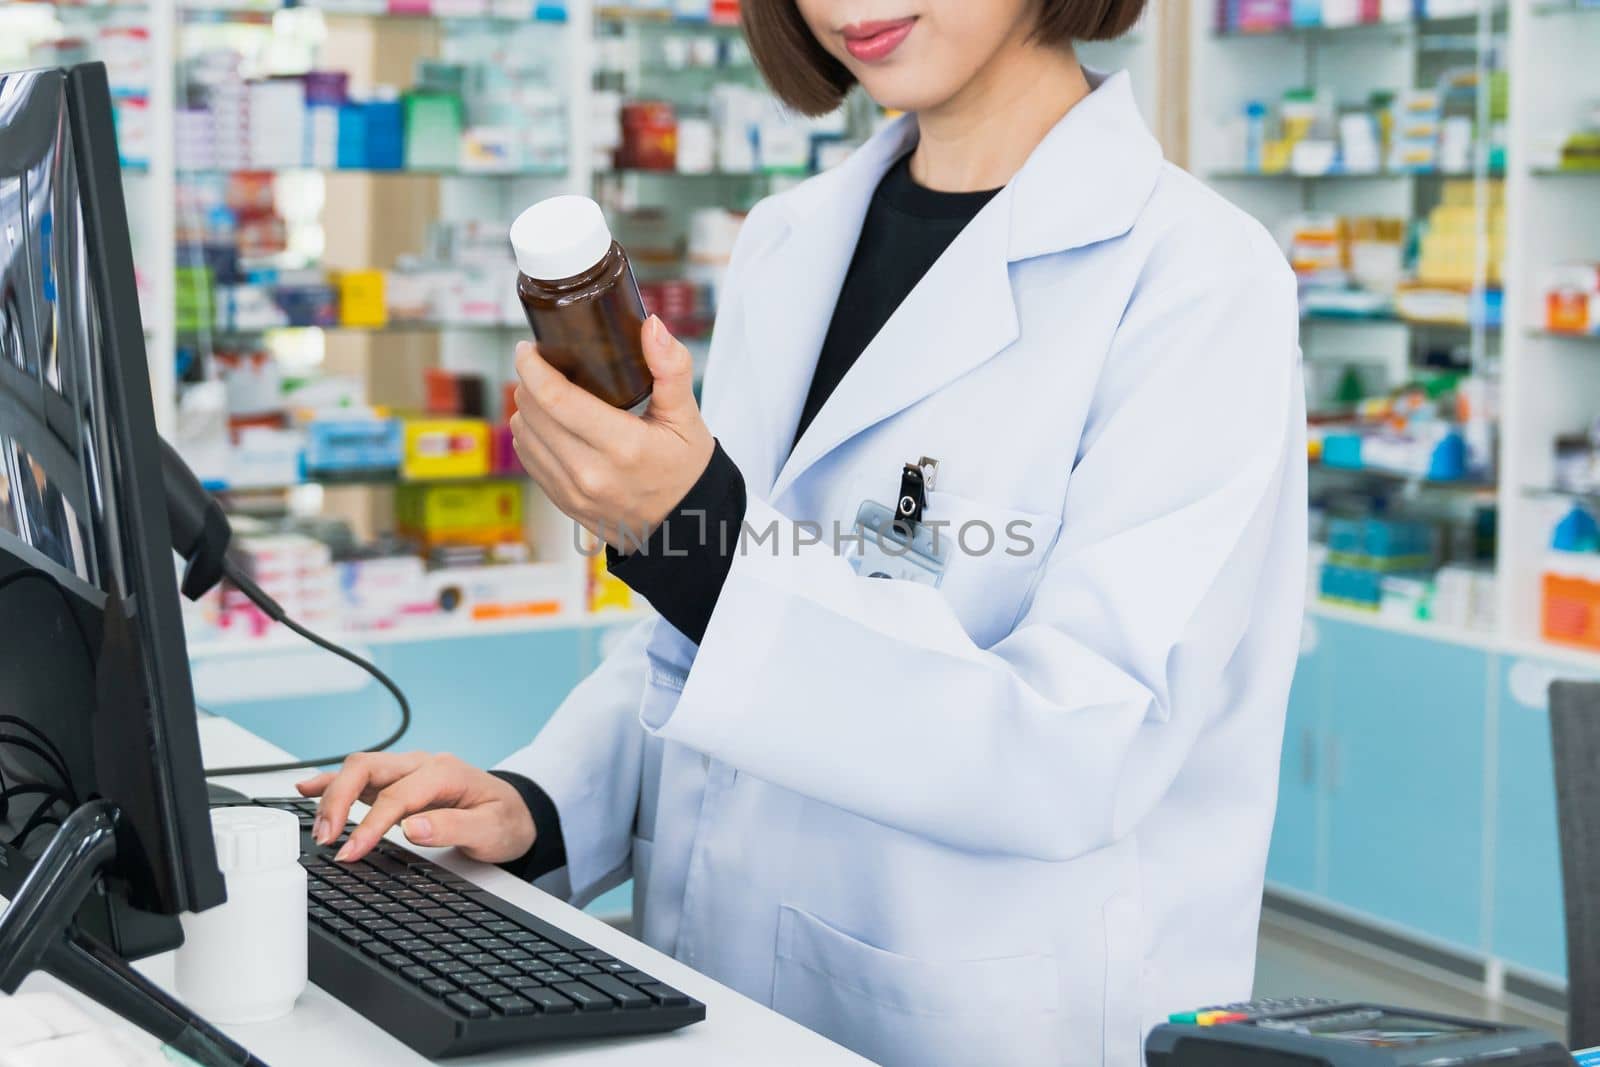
x=486 y=515
x=445 y=448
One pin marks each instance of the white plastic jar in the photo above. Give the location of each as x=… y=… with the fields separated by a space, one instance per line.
x=245 y=961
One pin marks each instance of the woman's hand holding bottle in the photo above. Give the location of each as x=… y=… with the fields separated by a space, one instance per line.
x=617 y=474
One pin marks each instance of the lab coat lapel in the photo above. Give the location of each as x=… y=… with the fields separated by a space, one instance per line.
x=792 y=288
x=1086 y=182
x=958 y=316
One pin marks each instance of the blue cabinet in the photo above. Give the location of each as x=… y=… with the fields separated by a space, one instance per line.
x=481 y=698
x=1405 y=780
x=1528 y=928
x=1295 y=860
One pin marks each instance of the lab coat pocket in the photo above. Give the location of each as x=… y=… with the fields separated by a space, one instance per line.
x=996 y=555
x=896 y=1009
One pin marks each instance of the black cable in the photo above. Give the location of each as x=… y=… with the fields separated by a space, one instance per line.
x=43 y=753
x=41 y=815
x=275 y=612
x=41 y=818
x=58 y=763
x=55 y=795
x=44 y=739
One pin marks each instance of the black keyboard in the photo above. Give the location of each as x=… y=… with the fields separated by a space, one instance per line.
x=450 y=969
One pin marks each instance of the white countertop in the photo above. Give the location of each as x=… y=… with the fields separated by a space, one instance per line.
x=321 y=1030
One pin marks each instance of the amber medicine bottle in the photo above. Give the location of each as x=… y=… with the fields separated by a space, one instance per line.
x=578 y=291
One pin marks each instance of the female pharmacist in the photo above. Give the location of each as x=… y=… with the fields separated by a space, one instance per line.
x=1012 y=805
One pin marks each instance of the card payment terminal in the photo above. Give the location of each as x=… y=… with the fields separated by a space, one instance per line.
x=1331 y=1034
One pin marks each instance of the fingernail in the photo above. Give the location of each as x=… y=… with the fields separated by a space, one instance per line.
x=419 y=828
x=346 y=853
x=658 y=331
x=319 y=831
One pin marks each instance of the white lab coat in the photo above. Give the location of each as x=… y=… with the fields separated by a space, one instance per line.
x=1017 y=818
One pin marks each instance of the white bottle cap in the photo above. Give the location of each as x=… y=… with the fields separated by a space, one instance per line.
x=253 y=839
x=560 y=237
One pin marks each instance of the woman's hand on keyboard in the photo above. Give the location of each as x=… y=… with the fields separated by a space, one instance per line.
x=437 y=800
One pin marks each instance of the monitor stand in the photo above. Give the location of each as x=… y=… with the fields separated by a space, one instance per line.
x=37 y=933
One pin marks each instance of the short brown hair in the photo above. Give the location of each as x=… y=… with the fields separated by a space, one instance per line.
x=812 y=82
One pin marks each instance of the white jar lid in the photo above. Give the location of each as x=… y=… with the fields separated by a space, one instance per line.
x=254 y=839
x=560 y=237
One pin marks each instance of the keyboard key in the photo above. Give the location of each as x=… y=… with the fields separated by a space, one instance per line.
x=415 y=973
x=586 y=998
x=558 y=958
x=613 y=966
x=449 y=967
x=547 y=975
x=479 y=959
x=431 y=955
x=578 y=970
x=527 y=939
x=468 y=1005
x=622 y=992
x=550 y=1001
x=439 y=987
x=512 y=1005
x=395 y=961
x=410 y=944
x=374 y=948
x=485 y=990
x=503 y=926
x=512 y=955
x=664 y=995
x=593 y=955
x=489 y=942
x=498 y=970
x=434 y=914
x=521 y=982
x=354 y=935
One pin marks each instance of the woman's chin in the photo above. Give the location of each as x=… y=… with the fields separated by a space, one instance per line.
x=906 y=91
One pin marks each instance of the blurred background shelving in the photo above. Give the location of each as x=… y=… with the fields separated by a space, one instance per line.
x=320 y=197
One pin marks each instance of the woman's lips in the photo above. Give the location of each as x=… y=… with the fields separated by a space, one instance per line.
x=872 y=41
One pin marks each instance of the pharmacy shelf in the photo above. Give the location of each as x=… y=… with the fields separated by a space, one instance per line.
x=1555 y=492
x=658 y=19
x=1565 y=335
x=1356 y=31
x=279 y=640
x=713 y=175
x=1357 y=318
x=1412 y=481
x=356 y=481
x=1548 y=10
x=1348 y=176
x=398 y=327
x=376 y=172
x=1377 y=620
x=1489 y=641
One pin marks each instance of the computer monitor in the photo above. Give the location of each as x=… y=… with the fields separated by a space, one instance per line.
x=95 y=694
